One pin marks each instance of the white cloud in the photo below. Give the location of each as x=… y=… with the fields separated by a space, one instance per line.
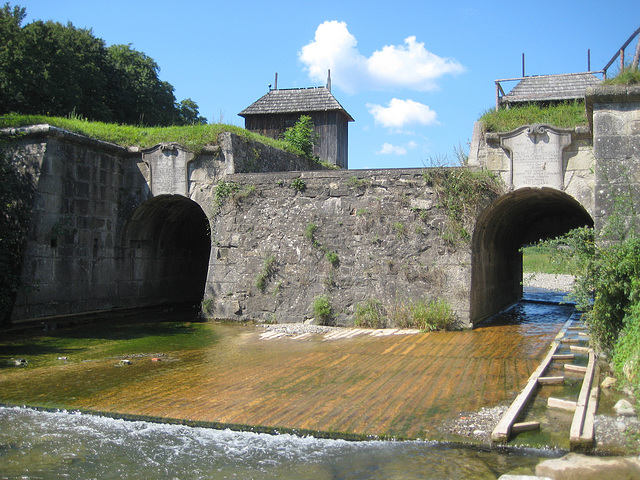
x=409 y=65
x=400 y=113
x=388 y=149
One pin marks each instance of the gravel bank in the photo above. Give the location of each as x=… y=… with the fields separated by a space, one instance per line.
x=548 y=281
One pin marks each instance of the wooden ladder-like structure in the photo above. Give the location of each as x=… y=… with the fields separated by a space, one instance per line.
x=581 y=434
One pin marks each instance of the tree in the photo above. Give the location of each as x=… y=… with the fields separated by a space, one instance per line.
x=54 y=69
x=10 y=54
x=62 y=71
x=188 y=113
x=302 y=137
x=137 y=95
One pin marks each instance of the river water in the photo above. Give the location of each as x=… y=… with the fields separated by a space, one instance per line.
x=67 y=445
x=62 y=445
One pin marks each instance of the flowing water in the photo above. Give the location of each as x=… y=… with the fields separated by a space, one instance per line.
x=44 y=445
x=61 y=445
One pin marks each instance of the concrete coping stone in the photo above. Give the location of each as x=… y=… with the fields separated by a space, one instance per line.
x=46 y=130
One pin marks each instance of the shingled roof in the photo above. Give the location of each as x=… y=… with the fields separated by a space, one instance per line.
x=545 y=88
x=294 y=100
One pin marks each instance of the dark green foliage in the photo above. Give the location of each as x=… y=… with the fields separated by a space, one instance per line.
x=53 y=69
x=608 y=289
x=16 y=198
x=302 y=137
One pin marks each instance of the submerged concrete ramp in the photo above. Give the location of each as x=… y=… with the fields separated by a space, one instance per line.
x=349 y=386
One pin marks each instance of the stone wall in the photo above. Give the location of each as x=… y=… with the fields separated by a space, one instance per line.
x=103 y=230
x=70 y=253
x=383 y=226
x=615 y=114
x=572 y=148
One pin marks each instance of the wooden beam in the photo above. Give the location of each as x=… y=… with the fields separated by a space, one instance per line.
x=588 y=430
x=550 y=380
x=581 y=407
x=577 y=348
x=561 y=404
x=502 y=431
x=575 y=368
x=570 y=340
x=564 y=356
x=525 y=427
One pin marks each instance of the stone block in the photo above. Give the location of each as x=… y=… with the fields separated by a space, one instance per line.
x=582 y=467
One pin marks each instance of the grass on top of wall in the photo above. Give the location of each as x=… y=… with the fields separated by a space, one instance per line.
x=564 y=115
x=193 y=137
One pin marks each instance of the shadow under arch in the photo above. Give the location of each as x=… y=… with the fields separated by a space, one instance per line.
x=165 y=252
x=524 y=216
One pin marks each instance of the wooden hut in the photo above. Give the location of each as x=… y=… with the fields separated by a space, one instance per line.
x=280 y=109
x=546 y=89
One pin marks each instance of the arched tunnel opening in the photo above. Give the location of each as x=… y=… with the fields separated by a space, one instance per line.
x=522 y=217
x=166 y=246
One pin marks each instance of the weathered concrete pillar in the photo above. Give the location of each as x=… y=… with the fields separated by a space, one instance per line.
x=614 y=112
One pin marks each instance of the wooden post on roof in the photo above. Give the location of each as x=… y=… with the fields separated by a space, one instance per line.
x=636 y=56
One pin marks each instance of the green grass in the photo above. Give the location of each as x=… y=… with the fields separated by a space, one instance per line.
x=564 y=115
x=193 y=137
x=628 y=76
x=539 y=259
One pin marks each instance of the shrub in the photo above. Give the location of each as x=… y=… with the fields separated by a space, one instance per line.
x=322 y=309
x=425 y=315
x=626 y=358
x=462 y=193
x=301 y=138
x=370 y=314
x=332 y=258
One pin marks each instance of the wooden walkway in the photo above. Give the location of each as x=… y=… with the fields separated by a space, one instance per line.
x=581 y=432
x=392 y=385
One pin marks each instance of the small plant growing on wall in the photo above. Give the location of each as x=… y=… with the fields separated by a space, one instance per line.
x=298 y=184
x=322 y=310
x=310 y=233
x=268 y=271
x=223 y=191
x=332 y=258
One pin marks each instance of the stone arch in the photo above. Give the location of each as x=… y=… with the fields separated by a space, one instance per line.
x=524 y=216
x=165 y=252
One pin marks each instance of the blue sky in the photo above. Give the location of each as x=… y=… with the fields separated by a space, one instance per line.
x=415 y=75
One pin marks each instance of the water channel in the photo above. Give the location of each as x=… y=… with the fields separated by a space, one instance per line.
x=36 y=444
